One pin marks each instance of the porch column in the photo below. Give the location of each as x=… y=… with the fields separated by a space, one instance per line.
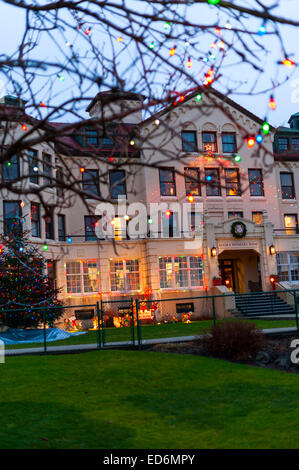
x=270 y=265
x=211 y=243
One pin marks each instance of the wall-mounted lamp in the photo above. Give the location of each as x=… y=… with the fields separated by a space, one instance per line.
x=272 y=250
x=213 y=251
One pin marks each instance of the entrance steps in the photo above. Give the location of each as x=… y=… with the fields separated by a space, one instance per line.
x=263 y=304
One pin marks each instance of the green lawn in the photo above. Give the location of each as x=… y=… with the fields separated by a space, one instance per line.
x=129 y=399
x=153 y=331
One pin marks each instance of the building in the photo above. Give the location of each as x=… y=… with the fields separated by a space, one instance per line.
x=193 y=154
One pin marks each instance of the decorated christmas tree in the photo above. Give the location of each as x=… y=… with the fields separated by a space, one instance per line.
x=24 y=284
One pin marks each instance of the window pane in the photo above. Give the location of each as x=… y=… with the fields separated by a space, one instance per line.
x=90 y=180
x=192 y=181
x=12 y=215
x=90 y=224
x=258 y=217
x=287 y=186
x=117 y=183
x=90 y=276
x=167 y=182
x=235 y=214
x=232 y=182
x=180 y=270
x=61 y=228
x=295 y=143
x=256 y=183
x=33 y=166
x=189 y=143
x=35 y=220
x=209 y=141
x=228 y=143
x=291 y=223
x=11 y=169
x=132 y=275
x=213 y=182
x=165 y=267
x=117 y=276
x=196 y=271
x=47 y=168
x=73 y=277
x=282 y=144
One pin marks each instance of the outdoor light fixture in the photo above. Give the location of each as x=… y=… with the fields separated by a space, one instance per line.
x=213 y=251
x=272 y=250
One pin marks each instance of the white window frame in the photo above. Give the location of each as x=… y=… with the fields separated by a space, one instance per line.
x=125 y=271
x=81 y=274
x=188 y=270
x=288 y=266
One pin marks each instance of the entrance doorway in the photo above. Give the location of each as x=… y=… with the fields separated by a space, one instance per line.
x=240 y=270
x=226 y=268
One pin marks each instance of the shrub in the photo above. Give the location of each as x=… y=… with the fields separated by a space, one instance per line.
x=233 y=339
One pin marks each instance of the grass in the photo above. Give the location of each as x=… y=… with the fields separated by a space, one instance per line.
x=131 y=400
x=152 y=331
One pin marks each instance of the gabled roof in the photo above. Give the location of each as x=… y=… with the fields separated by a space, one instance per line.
x=207 y=91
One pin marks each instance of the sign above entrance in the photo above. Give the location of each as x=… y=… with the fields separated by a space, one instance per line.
x=238 y=245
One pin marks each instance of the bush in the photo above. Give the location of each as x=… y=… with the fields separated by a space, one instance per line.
x=232 y=339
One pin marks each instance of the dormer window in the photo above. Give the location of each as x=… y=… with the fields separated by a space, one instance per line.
x=283 y=144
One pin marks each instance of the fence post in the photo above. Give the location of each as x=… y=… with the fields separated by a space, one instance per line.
x=138 y=326
x=214 y=311
x=102 y=323
x=132 y=322
x=45 y=333
x=296 y=310
x=99 y=325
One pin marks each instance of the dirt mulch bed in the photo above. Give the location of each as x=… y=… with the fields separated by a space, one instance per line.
x=275 y=355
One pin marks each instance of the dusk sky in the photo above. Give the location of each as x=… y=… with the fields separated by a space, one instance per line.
x=287 y=95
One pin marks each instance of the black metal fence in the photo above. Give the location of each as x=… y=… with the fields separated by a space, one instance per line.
x=130 y=322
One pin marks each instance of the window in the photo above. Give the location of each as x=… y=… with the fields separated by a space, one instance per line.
x=295 y=143
x=90 y=224
x=196 y=221
x=124 y=275
x=192 y=181
x=117 y=180
x=258 y=217
x=283 y=144
x=256 y=185
x=82 y=277
x=90 y=181
x=33 y=166
x=49 y=224
x=209 y=142
x=229 y=143
x=167 y=182
x=11 y=215
x=47 y=169
x=288 y=266
x=287 y=186
x=59 y=181
x=61 y=228
x=291 y=223
x=91 y=137
x=35 y=220
x=170 y=225
x=233 y=214
x=51 y=270
x=189 y=142
x=11 y=169
x=232 y=182
x=213 y=182
x=180 y=271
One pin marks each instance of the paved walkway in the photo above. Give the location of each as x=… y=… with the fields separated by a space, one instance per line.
x=88 y=347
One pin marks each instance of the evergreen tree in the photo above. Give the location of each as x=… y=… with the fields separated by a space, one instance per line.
x=24 y=283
